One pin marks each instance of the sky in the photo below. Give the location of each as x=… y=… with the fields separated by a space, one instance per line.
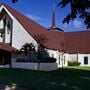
x=41 y=12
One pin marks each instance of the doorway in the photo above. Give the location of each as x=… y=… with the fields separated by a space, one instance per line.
x=5 y=57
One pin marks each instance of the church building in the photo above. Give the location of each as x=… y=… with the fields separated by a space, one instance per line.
x=16 y=30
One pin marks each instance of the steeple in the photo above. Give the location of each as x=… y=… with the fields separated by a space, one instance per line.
x=53 y=20
x=54 y=26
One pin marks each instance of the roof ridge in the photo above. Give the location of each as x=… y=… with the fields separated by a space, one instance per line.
x=78 y=31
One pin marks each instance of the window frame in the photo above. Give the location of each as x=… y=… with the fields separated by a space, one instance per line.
x=85 y=60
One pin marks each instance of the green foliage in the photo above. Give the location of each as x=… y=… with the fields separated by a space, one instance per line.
x=78 y=8
x=44 y=60
x=48 y=60
x=22 y=60
x=27 y=47
x=74 y=63
x=14 y=1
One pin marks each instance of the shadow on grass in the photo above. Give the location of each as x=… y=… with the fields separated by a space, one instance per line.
x=62 y=79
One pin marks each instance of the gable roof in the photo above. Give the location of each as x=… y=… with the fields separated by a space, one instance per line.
x=70 y=42
x=49 y=39
x=77 y=42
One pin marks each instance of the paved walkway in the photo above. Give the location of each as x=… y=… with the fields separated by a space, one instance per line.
x=2 y=87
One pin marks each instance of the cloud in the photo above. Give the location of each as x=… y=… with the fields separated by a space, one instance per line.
x=36 y=18
x=42 y=21
x=33 y=17
x=77 y=23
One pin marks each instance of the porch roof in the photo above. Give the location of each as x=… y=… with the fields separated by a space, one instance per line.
x=6 y=47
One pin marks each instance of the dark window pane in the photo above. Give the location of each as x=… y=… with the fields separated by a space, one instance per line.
x=85 y=60
x=9 y=25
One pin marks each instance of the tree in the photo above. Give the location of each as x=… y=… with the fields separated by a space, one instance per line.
x=14 y=1
x=78 y=8
x=26 y=48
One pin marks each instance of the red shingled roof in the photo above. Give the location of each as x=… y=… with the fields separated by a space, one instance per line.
x=7 y=47
x=54 y=40
x=77 y=42
x=49 y=39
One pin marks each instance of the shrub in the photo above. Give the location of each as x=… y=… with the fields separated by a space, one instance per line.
x=48 y=60
x=21 y=60
x=74 y=63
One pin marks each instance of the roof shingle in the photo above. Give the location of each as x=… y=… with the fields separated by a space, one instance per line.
x=77 y=42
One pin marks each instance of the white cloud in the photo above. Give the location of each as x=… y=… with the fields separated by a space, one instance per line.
x=42 y=21
x=77 y=23
x=33 y=17
x=36 y=18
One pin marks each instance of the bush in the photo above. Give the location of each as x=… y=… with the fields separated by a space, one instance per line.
x=21 y=60
x=48 y=60
x=43 y=60
x=74 y=63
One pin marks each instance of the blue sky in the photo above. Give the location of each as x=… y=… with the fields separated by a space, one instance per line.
x=41 y=12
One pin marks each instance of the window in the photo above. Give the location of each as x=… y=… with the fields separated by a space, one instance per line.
x=4 y=22
x=8 y=27
x=85 y=60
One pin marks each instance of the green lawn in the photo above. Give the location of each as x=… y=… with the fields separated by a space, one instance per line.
x=79 y=67
x=62 y=79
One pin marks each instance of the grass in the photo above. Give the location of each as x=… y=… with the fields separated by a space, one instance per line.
x=62 y=79
x=80 y=67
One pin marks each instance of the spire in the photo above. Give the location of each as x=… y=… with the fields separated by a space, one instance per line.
x=53 y=20
x=54 y=26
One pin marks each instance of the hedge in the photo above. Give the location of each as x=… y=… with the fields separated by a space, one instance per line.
x=74 y=63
